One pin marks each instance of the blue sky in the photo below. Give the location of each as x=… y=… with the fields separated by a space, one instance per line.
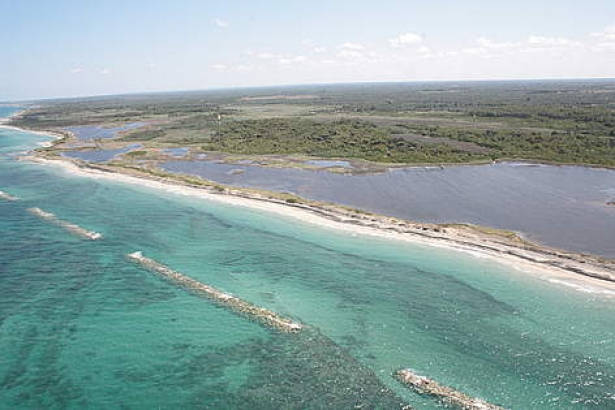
x=74 y=48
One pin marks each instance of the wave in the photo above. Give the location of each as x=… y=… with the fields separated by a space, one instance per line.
x=7 y=197
x=582 y=287
x=70 y=227
x=263 y=315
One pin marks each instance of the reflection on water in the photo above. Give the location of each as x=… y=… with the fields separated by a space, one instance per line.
x=562 y=206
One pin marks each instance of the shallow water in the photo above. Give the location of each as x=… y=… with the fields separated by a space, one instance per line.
x=100 y=155
x=177 y=152
x=80 y=326
x=328 y=163
x=561 y=206
x=88 y=132
x=7 y=110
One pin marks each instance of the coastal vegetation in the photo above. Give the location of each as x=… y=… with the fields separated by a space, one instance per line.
x=560 y=122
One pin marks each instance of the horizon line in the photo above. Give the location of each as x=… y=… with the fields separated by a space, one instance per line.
x=315 y=84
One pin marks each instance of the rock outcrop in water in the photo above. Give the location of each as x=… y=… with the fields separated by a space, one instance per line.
x=70 y=227
x=305 y=369
x=447 y=394
x=263 y=315
x=7 y=197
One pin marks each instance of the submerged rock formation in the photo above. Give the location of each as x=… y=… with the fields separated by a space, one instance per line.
x=263 y=315
x=7 y=197
x=447 y=394
x=69 y=226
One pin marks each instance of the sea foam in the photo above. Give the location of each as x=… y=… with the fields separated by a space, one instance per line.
x=582 y=287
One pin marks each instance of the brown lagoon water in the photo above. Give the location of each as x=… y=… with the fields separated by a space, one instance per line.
x=561 y=206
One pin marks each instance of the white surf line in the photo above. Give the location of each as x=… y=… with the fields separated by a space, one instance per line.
x=7 y=197
x=581 y=288
x=70 y=227
x=261 y=314
x=447 y=394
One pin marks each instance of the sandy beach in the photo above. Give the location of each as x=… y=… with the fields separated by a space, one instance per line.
x=583 y=273
x=578 y=272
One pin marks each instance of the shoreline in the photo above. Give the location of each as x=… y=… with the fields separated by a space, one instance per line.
x=564 y=268
x=582 y=273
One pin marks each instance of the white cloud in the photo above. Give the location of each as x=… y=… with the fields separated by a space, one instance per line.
x=604 y=46
x=242 y=68
x=406 y=39
x=236 y=68
x=474 y=51
x=410 y=56
x=221 y=23
x=493 y=45
x=292 y=60
x=311 y=44
x=550 y=42
x=76 y=70
x=266 y=56
x=352 y=46
x=606 y=34
x=350 y=54
x=605 y=39
x=105 y=71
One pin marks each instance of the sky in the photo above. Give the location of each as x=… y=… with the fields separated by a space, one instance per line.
x=65 y=48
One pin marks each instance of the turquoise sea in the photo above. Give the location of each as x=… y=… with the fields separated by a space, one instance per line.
x=82 y=327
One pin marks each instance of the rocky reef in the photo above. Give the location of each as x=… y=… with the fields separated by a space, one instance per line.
x=447 y=394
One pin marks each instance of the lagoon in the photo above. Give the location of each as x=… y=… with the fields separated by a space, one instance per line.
x=560 y=206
